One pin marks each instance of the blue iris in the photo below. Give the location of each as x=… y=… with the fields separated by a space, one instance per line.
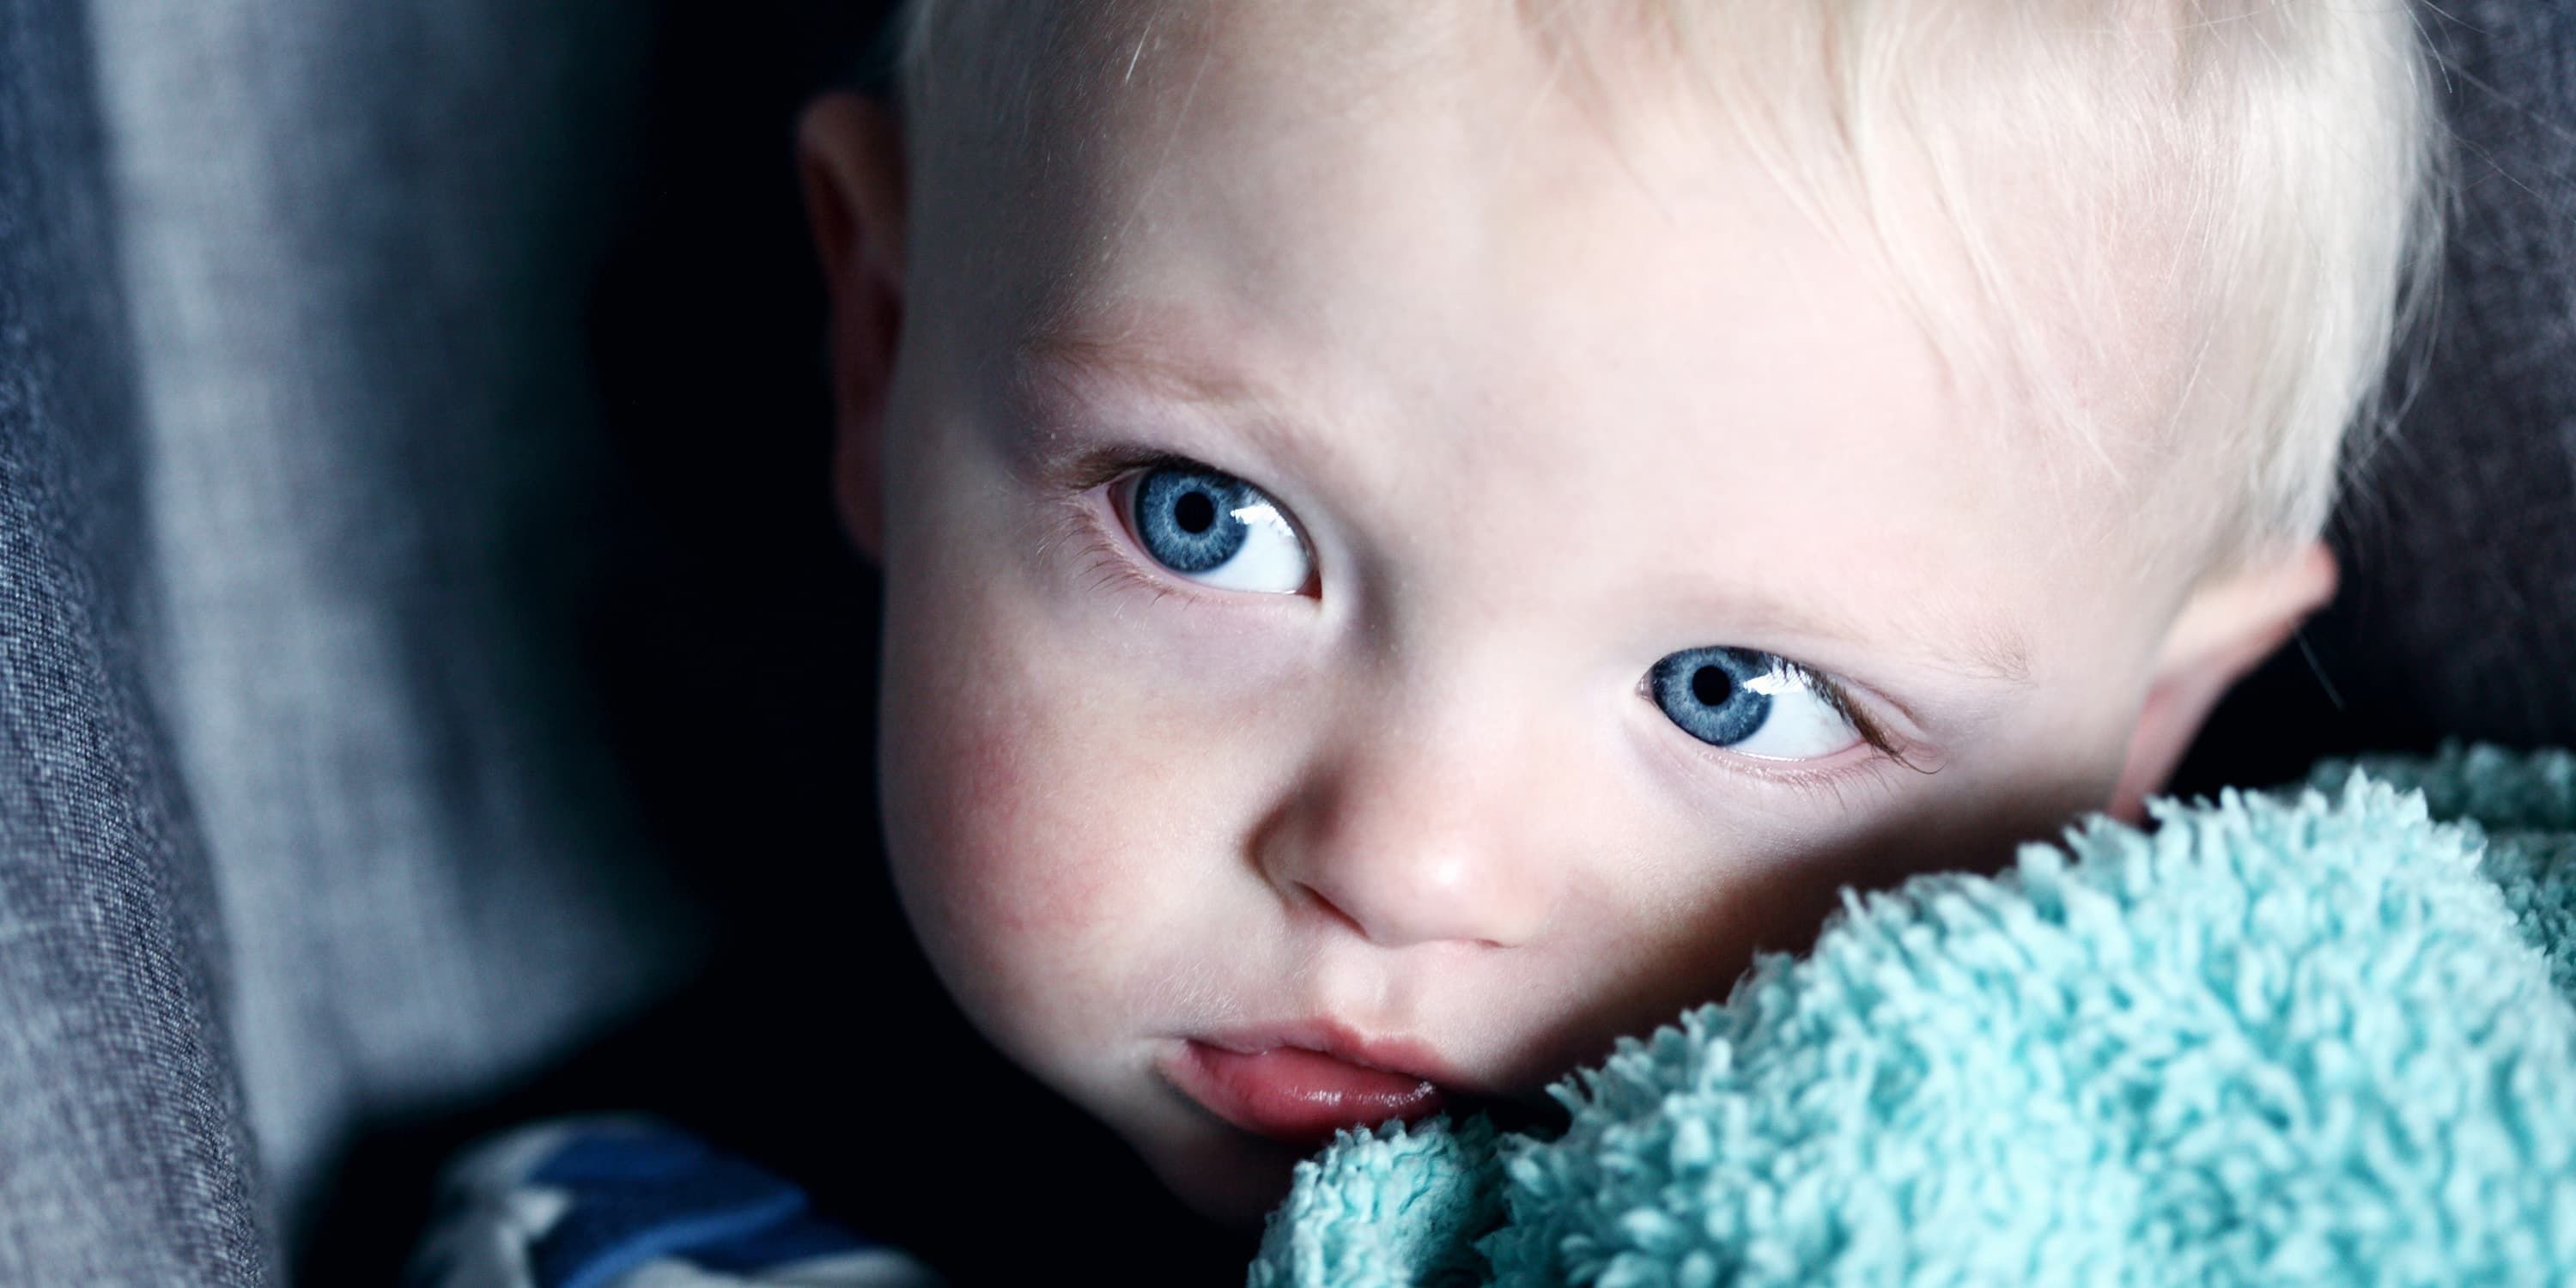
x=1185 y=516
x=1707 y=691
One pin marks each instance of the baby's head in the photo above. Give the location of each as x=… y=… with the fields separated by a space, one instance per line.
x=1418 y=537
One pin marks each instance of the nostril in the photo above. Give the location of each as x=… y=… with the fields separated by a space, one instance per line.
x=1324 y=902
x=1391 y=929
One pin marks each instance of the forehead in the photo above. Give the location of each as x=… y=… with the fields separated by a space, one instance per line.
x=1424 y=275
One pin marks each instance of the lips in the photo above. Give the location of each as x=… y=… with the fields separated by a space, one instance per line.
x=1298 y=1092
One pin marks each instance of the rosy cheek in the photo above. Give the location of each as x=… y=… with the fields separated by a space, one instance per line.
x=980 y=805
x=1012 y=795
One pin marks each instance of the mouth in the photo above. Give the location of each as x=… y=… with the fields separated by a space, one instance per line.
x=1300 y=1085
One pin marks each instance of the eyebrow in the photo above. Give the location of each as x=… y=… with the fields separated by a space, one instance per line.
x=1068 y=351
x=1995 y=652
x=1134 y=353
x=2000 y=654
x=1130 y=353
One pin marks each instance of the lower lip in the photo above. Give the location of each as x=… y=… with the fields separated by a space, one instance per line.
x=1295 y=1095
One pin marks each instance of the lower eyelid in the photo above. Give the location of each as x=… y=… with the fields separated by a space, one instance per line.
x=1857 y=764
x=1103 y=540
x=1112 y=557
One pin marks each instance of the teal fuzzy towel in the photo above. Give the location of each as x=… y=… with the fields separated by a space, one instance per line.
x=2322 y=1036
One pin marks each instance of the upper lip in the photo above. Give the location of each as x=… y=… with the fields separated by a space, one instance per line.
x=1388 y=1053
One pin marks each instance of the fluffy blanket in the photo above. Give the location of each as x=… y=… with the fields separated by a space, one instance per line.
x=2322 y=1035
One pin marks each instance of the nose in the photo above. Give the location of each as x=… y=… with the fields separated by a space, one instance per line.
x=1411 y=846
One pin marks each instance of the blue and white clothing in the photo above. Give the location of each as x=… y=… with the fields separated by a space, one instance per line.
x=627 y=1203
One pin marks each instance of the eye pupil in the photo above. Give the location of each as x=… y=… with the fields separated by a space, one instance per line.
x=1195 y=512
x=1711 y=686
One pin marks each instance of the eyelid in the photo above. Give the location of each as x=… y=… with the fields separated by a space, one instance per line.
x=1837 y=694
x=1105 y=465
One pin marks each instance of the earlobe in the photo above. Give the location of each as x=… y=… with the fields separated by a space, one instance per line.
x=2228 y=627
x=849 y=152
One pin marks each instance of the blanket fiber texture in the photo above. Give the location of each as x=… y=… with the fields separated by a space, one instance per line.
x=2321 y=1035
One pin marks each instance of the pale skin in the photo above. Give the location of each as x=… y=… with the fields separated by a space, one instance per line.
x=1541 y=412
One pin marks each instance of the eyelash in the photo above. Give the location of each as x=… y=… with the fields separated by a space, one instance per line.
x=1817 y=784
x=1889 y=752
x=1107 y=557
x=1113 y=567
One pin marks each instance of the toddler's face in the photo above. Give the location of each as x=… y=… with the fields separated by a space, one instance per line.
x=1385 y=585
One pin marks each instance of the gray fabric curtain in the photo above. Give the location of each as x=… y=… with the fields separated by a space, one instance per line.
x=308 y=823
x=125 y=1157
x=356 y=241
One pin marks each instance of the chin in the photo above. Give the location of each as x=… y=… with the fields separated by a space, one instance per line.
x=1225 y=1176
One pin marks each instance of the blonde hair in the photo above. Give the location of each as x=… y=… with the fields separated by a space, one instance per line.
x=2269 y=168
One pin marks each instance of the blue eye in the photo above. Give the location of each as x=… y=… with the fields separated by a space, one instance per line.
x=1750 y=702
x=1217 y=530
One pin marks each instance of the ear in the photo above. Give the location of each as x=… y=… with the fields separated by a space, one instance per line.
x=2227 y=627
x=849 y=150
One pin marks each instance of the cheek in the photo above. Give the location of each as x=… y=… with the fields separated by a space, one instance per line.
x=1675 y=922
x=1001 y=870
x=1056 y=819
